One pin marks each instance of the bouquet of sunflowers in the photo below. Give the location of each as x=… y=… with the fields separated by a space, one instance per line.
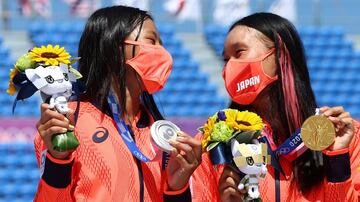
x=47 y=69
x=231 y=137
x=230 y=123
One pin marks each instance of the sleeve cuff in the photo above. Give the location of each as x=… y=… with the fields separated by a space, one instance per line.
x=337 y=166
x=57 y=173
x=336 y=152
x=183 y=194
x=177 y=192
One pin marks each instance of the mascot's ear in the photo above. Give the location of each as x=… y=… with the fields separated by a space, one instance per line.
x=64 y=68
x=255 y=141
x=34 y=76
x=31 y=75
x=235 y=147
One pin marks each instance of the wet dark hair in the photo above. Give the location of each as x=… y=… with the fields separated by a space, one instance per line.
x=308 y=168
x=102 y=53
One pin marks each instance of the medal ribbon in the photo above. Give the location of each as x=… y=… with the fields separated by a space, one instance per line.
x=292 y=148
x=124 y=130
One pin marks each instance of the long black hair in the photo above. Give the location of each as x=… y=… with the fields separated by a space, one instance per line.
x=102 y=54
x=308 y=167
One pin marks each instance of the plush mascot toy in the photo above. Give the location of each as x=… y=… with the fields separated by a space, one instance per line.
x=250 y=159
x=47 y=69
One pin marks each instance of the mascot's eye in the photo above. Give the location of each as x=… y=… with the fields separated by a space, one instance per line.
x=66 y=77
x=250 y=161
x=49 y=79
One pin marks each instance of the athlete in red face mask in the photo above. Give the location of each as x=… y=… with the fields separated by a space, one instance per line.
x=122 y=63
x=245 y=78
x=266 y=72
x=153 y=63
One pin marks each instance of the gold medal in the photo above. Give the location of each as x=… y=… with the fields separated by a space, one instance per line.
x=318 y=132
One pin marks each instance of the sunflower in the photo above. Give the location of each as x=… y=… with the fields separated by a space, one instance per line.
x=11 y=90
x=50 y=55
x=248 y=121
x=207 y=130
x=231 y=115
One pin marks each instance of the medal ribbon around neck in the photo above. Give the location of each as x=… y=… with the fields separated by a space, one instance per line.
x=124 y=130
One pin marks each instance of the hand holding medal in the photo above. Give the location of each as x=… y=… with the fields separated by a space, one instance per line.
x=185 y=152
x=331 y=130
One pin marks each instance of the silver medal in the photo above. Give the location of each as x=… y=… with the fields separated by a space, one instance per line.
x=162 y=132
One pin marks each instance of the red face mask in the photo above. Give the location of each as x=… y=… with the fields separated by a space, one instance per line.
x=153 y=63
x=245 y=78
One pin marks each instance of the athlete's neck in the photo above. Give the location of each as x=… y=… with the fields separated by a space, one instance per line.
x=261 y=106
x=133 y=91
x=132 y=106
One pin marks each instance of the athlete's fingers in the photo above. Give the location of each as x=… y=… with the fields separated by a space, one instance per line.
x=187 y=151
x=56 y=122
x=47 y=114
x=334 y=111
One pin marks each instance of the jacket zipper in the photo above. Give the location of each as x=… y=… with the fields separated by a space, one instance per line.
x=277 y=186
x=141 y=179
x=140 y=171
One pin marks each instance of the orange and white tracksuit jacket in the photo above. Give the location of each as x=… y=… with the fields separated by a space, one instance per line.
x=103 y=169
